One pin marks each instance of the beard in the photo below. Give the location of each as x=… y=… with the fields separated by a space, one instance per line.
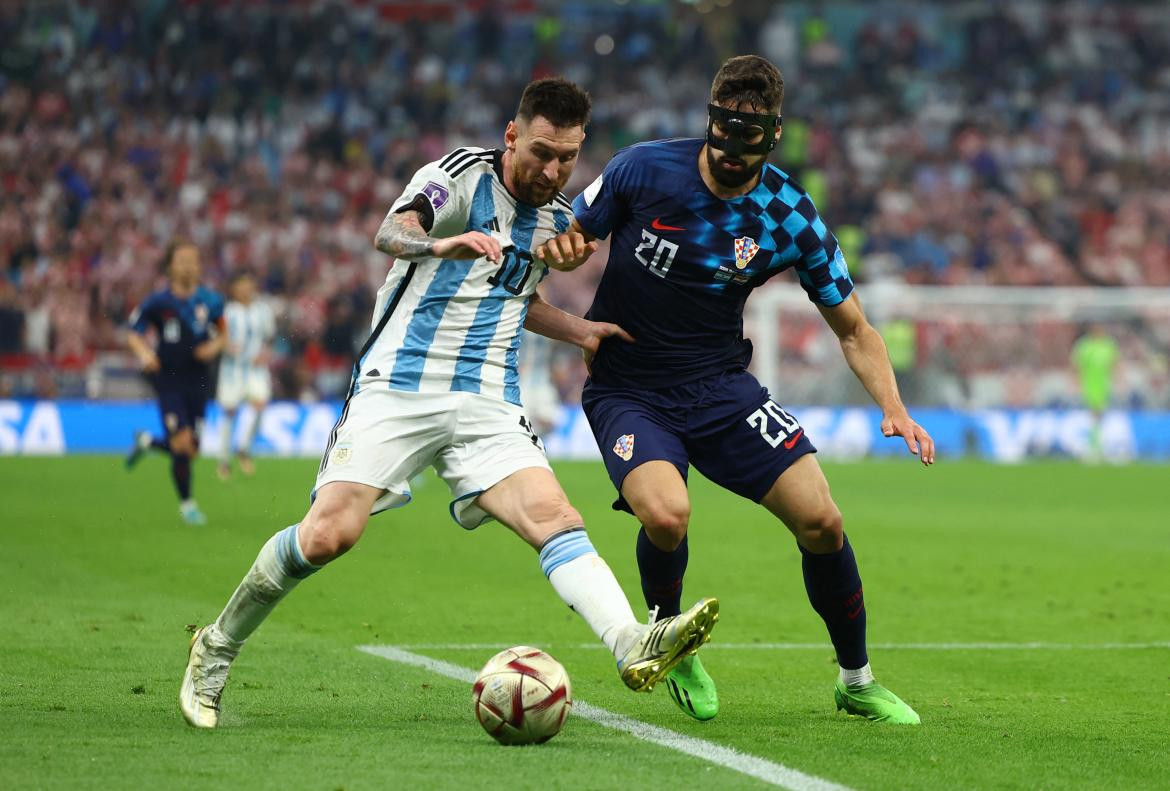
x=732 y=178
x=534 y=193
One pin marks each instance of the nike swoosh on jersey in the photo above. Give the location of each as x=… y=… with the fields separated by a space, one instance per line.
x=795 y=438
x=658 y=226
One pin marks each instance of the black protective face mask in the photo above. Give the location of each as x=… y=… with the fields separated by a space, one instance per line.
x=740 y=126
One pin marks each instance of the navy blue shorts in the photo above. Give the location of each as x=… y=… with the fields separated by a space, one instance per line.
x=182 y=409
x=726 y=425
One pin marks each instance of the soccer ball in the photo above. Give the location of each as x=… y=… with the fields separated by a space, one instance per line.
x=522 y=696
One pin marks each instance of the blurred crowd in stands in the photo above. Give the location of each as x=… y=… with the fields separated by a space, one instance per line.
x=1021 y=143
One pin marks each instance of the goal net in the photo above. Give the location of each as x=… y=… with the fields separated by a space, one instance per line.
x=967 y=347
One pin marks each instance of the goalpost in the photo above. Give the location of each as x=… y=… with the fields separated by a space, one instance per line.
x=967 y=347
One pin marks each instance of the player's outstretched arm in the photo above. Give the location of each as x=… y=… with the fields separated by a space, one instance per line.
x=402 y=235
x=568 y=250
x=554 y=323
x=865 y=351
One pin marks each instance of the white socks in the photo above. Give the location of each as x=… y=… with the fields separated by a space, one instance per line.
x=854 y=678
x=276 y=571
x=250 y=432
x=584 y=582
x=226 y=422
x=579 y=576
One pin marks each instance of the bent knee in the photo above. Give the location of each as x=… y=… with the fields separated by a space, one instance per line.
x=666 y=524
x=823 y=531
x=553 y=515
x=328 y=535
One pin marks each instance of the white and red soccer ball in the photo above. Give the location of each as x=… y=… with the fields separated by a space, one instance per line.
x=522 y=696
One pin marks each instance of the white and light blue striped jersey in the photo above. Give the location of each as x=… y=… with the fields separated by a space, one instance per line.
x=443 y=325
x=249 y=329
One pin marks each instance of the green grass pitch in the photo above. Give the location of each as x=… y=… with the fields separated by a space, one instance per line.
x=99 y=578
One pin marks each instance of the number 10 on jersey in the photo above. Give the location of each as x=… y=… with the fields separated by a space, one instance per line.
x=515 y=269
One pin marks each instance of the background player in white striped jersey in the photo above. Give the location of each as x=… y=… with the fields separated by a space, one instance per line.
x=243 y=369
x=437 y=384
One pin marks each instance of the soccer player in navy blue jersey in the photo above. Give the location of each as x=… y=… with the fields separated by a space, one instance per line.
x=188 y=320
x=696 y=225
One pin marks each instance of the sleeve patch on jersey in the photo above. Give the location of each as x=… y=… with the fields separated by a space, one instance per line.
x=838 y=267
x=437 y=194
x=590 y=193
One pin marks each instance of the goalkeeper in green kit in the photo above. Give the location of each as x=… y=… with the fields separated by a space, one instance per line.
x=1094 y=356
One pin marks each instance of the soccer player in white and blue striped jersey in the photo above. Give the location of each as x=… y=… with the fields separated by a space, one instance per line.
x=436 y=384
x=243 y=369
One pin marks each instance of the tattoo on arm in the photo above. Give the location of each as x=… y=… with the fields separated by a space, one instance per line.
x=402 y=236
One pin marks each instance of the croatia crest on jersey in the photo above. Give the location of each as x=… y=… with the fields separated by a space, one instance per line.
x=745 y=250
x=624 y=447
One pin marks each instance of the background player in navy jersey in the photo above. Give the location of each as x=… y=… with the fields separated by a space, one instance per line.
x=696 y=225
x=188 y=320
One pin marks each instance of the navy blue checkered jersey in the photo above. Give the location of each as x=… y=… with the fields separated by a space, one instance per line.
x=683 y=261
x=181 y=324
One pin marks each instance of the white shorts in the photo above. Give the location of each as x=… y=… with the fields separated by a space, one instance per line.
x=386 y=437
x=249 y=384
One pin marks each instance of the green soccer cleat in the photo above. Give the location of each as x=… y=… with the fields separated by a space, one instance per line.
x=664 y=644
x=692 y=689
x=874 y=702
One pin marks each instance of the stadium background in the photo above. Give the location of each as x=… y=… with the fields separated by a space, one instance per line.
x=1021 y=146
x=972 y=157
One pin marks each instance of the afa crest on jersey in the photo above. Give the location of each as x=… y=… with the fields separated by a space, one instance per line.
x=341 y=454
x=624 y=447
x=745 y=250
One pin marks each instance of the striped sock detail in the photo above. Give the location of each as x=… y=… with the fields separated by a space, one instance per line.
x=288 y=552
x=564 y=547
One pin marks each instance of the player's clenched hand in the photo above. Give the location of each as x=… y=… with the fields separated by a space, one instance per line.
x=206 y=351
x=566 y=252
x=472 y=244
x=917 y=440
x=597 y=332
x=150 y=364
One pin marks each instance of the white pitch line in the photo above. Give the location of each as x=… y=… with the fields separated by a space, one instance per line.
x=1035 y=646
x=750 y=765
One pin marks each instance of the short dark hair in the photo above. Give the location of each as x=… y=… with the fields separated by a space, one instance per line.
x=563 y=103
x=748 y=79
x=240 y=274
x=173 y=247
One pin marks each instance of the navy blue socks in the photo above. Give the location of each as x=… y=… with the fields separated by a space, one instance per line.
x=834 y=589
x=662 y=575
x=181 y=473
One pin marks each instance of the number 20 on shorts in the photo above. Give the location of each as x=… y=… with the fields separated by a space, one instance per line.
x=787 y=425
